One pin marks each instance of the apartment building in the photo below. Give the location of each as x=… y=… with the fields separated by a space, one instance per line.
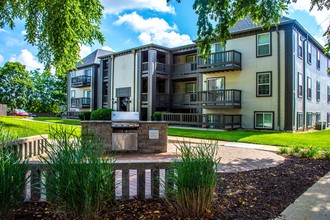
x=272 y=79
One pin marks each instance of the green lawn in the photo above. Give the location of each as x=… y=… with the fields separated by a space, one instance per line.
x=319 y=139
x=20 y=127
x=58 y=120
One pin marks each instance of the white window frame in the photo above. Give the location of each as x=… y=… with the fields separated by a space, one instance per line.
x=318 y=91
x=300 y=120
x=309 y=87
x=318 y=59
x=222 y=83
x=300 y=46
x=263 y=84
x=263 y=44
x=300 y=85
x=263 y=118
x=73 y=93
x=309 y=53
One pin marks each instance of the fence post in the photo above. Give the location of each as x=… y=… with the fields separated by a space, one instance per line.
x=125 y=183
x=155 y=183
x=141 y=178
x=35 y=183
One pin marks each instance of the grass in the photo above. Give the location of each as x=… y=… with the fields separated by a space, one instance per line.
x=19 y=127
x=318 y=139
x=58 y=120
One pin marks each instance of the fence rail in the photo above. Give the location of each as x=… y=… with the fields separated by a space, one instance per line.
x=149 y=180
x=219 y=121
x=30 y=146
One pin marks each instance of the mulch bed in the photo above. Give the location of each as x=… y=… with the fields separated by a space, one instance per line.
x=258 y=194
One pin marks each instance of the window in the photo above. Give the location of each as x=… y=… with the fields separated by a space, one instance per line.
x=328 y=118
x=300 y=85
x=300 y=121
x=73 y=93
x=216 y=83
x=190 y=87
x=309 y=119
x=87 y=93
x=294 y=39
x=309 y=88
x=300 y=44
x=318 y=91
x=263 y=45
x=318 y=116
x=318 y=62
x=73 y=74
x=264 y=84
x=87 y=72
x=263 y=120
x=328 y=94
x=190 y=59
x=309 y=53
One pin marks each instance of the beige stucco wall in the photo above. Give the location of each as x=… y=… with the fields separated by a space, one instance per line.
x=124 y=76
x=245 y=80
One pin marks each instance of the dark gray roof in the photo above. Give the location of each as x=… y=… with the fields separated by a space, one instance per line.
x=92 y=58
x=247 y=24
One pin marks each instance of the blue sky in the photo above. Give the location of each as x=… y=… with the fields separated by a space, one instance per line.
x=131 y=23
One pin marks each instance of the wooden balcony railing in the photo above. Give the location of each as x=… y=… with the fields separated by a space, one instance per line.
x=217 y=121
x=80 y=102
x=184 y=70
x=229 y=98
x=220 y=61
x=80 y=81
x=161 y=68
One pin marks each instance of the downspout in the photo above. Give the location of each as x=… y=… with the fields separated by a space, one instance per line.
x=304 y=84
x=134 y=80
x=278 y=80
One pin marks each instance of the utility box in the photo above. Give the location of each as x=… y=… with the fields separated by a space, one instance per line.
x=3 y=110
x=321 y=125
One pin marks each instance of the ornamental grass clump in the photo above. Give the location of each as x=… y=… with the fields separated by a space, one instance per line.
x=13 y=175
x=79 y=182
x=194 y=179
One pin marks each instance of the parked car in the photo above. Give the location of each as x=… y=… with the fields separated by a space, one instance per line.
x=18 y=112
x=32 y=115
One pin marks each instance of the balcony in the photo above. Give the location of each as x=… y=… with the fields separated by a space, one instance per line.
x=80 y=102
x=80 y=81
x=162 y=99
x=221 y=99
x=220 y=62
x=160 y=68
x=185 y=70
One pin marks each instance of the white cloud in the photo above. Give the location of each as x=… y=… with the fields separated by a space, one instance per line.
x=154 y=30
x=321 y=40
x=118 y=6
x=1 y=59
x=23 y=32
x=84 y=51
x=3 y=30
x=26 y=58
x=108 y=48
x=321 y=17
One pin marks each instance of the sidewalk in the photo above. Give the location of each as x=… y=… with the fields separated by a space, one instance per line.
x=314 y=204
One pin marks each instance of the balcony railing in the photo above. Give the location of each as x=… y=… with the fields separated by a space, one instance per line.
x=217 y=121
x=229 y=98
x=80 y=81
x=220 y=61
x=162 y=100
x=184 y=70
x=160 y=68
x=80 y=102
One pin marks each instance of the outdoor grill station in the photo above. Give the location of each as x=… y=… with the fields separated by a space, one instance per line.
x=126 y=133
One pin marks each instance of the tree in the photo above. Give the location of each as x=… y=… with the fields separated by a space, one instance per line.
x=15 y=85
x=57 y=27
x=49 y=92
x=216 y=17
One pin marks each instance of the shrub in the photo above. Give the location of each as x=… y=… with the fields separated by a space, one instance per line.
x=284 y=150
x=101 y=114
x=157 y=116
x=12 y=173
x=195 y=180
x=84 y=116
x=310 y=152
x=295 y=150
x=79 y=182
x=326 y=155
